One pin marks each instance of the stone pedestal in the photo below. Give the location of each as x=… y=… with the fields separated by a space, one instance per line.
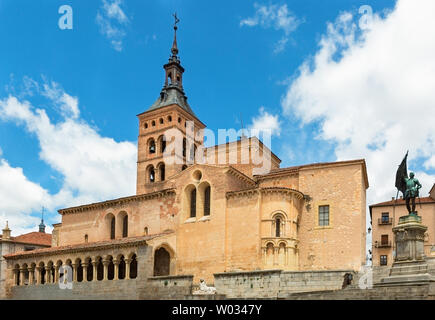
x=409 y=263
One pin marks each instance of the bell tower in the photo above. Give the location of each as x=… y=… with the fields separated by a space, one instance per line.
x=170 y=111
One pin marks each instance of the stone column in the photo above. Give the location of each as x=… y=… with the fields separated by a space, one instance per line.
x=47 y=274
x=38 y=275
x=127 y=268
x=116 y=269
x=56 y=274
x=31 y=275
x=95 y=275
x=74 y=267
x=85 y=271
x=22 y=276
x=106 y=269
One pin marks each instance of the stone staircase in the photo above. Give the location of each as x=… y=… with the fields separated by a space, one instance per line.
x=414 y=292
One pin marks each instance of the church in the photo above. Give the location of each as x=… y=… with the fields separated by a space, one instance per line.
x=201 y=218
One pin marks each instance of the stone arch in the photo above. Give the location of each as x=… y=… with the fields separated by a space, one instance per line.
x=110 y=268
x=121 y=267
x=100 y=268
x=133 y=266
x=89 y=269
x=79 y=272
x=42 y=271
x=162 y=262
x=24 y=267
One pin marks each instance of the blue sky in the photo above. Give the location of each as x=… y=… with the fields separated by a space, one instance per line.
x=242 y=59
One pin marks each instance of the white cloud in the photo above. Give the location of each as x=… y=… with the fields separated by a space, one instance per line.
x=69 y=106
x=111 y=20
x=94 y=168
x=274 y=16
x=266 y=122
x=373 y=92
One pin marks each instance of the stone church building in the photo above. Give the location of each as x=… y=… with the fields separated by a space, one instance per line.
x=201 y=219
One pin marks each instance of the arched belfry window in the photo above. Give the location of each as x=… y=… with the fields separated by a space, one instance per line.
x=207 y=201
x=112 y=228
x=193 y=203
x=151 y=174
x=125 y=227
x=162 y=172
x=152 y=147
x=162 y=144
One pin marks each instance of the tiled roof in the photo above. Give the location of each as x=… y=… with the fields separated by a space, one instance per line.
x=38 y=238
x=400 y=202
x=86 y=246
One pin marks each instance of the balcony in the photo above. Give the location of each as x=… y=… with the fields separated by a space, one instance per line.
x=383 y=244
x=385 y=221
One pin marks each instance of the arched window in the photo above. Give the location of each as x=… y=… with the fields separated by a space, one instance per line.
x=145 y=231
x=162 y=143
x=151 y=174
x=86 y=238
x=152 y=146
x=184 y=147
x=193 y=203
x=112 y=228
x=162 y=172
x=133 y=267
x=207 y=201
x=110 y=269
x=125 y=227
x=100 y=269
x=277 y=227
x=121 y=272
x=90 y=271
x=79 y=270
x=162 y=261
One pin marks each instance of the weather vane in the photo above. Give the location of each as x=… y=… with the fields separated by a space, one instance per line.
x=176 y=20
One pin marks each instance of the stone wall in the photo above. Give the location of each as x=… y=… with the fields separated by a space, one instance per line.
x=166 y=288
x=274 y=284
x=103 y=290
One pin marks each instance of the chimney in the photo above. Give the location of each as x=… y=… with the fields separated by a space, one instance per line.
x=6 y=233
x=392 y=198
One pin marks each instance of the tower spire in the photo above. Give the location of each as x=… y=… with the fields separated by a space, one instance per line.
x=174 y=49
x=42 y=225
